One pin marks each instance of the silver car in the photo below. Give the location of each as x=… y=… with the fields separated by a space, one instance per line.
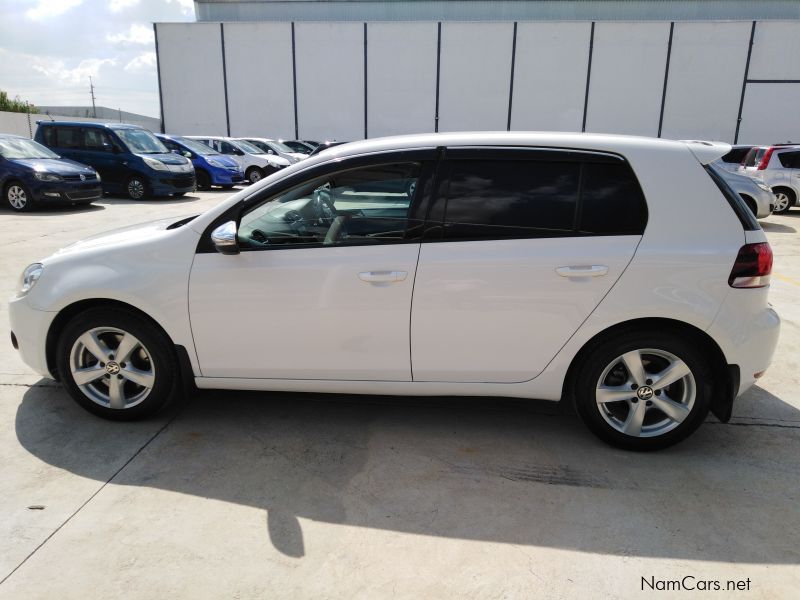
x=758 y=196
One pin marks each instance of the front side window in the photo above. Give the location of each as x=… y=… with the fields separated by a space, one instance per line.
x=362 y=206
x=96 y=140
x=491 y=199
x=247 y=147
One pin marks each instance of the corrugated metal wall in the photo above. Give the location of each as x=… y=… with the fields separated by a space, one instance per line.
x=729 y=81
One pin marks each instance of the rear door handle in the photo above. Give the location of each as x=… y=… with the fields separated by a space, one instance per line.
x=382 y=276
x=582 y=271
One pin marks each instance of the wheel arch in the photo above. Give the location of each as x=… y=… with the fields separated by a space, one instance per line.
x=726 y=377
x=66 y=314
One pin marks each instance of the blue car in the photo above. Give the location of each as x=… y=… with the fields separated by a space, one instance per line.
x=31 y=174
x=130 y=159
x=210 y=167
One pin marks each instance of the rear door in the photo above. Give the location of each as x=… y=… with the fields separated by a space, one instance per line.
x=520 y=247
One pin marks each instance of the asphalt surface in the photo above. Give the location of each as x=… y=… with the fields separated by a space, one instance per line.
x=247 y=495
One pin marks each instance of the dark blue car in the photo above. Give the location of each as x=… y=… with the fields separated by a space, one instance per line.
x=130 y=159
x=210 y=167
x=31 y=174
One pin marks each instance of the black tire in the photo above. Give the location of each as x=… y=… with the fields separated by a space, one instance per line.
x=137 y=187
x=18 y=197
x=254 y=174
x=606 y=353
x=155 y=344
x=789 y=193
x=226 y=187
x=178 y=194
x=203 y=180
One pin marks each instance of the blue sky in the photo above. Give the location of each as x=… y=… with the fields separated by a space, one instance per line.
x=49 y=48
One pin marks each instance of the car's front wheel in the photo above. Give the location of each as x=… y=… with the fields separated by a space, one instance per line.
x=784 y=200
x=18 y=198
x=136 y=188
x=116 y=364
x=254 y=175
x=643 y=390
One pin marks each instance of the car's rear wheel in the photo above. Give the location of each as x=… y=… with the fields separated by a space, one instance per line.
x=116 y=364
x=203 y=180
x=136 y=188
x=254 y=175
x=784 y=200
x=643 y=390
x=18 y=198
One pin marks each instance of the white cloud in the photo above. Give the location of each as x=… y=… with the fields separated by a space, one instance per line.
x=50 y=8
x=56 y=69
x=118 y=5
x=144 y=61
x=136 y=34
x=187 y=6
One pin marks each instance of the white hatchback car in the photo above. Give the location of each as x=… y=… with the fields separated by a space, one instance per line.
x=255 y=163
x=552 y=266
x=777 y=167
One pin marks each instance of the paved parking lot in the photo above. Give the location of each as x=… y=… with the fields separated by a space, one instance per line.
x=241 y=495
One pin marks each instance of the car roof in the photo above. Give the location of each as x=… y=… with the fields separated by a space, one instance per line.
x=90 y=124
x=705 y=151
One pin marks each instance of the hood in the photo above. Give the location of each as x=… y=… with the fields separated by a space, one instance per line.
x=275 y=160
x=59 y=166
x=168 y=158
x=298 y=155
x=119 y=237
x=222 y=159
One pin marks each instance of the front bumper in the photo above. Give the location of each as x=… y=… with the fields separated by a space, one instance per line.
x=173 y=183
x=30 y=326
x=67 y=192
x=226 y=177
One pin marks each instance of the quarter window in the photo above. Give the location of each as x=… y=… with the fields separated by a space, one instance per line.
x=790 y=160
x=355 y=207
x=611 y=200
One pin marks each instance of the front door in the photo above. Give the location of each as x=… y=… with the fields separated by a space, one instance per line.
x=322 y=286
x=527 y=245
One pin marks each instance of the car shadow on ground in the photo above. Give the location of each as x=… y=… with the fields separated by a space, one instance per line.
x=498 y=470
x=776 y=227
x=48 y=210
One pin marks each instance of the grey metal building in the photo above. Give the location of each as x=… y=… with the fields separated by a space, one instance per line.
x=718 y=69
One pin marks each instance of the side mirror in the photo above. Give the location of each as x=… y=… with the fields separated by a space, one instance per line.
x=187 y=154
x=107 y=147
x=224 y=238
x=270 y=152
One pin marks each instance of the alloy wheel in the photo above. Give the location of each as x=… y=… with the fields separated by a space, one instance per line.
x=781 y=201
x=254 y=176
x=17 y=197
x=135 y=188
x=646 y=392
x=112 y=368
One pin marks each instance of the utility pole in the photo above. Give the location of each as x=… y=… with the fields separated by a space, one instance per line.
x=91 y=91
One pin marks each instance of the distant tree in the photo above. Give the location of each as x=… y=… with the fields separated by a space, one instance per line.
x=15 y=105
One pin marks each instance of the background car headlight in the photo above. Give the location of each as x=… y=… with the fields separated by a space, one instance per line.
x=154 y=164
x=96 y=174
x=30 y=276
x=764 y=187
x=45 y=176
x=214 y=163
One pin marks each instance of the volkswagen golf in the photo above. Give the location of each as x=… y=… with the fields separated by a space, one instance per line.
x=532 y=265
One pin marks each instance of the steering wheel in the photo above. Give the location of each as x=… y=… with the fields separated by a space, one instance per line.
x=323 y=204
x=259 y=236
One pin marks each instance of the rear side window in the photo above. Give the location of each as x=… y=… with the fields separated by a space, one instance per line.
x=68 y=137
x=49 y=136
x=790 y=160
x=495 y=199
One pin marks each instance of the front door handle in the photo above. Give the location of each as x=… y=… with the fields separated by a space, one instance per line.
x=583 y=271
x=382 y=276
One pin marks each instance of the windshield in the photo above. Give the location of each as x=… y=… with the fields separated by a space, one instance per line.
x=196 y=147
x=12 y=148
x=247 y=147
x=281 y=147
x=298 y=147
x=141 y=141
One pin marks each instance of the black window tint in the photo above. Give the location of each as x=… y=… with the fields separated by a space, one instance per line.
x=790 y=160
x=170 y=144
x=49 y=134
x=611 y=200
x=68 y=137
x=510 y=198
x=736 y=155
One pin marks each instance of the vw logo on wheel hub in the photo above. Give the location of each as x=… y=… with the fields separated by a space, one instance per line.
x=112 y=368
x=645 y=392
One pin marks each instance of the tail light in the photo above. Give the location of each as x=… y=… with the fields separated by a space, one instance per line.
x=765 y=159
x=753 y=266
